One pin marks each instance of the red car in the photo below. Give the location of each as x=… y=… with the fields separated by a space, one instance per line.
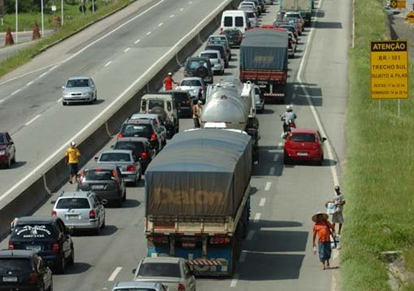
x=7 y=150
x=304 y=145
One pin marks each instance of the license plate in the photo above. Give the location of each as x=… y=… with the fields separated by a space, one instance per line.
x=96 y=187
x=9 y=279
x=72 y=216
x=34 y=248
x=302 y=154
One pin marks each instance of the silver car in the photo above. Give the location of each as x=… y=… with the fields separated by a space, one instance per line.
x=215 y=59
x=195 y=86
x=129 y=165
x=139 y=286
x=170 y=271
x=80 y=210
x=79 y=90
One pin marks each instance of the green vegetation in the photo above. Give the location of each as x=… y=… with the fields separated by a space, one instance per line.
x=73 y=21
x=379 y=168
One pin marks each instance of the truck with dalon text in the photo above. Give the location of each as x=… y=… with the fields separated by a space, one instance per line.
x=198 y=199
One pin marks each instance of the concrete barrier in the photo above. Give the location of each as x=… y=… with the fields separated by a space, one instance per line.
x=55 y=173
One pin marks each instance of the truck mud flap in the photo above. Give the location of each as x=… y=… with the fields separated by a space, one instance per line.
x=278 y=98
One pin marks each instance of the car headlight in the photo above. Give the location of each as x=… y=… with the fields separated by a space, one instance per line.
x=2 y=152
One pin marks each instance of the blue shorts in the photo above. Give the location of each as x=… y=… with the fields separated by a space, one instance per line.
x=73 y=169
x=325 y=251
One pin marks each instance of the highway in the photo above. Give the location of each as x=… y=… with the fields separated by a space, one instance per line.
x=277 y=254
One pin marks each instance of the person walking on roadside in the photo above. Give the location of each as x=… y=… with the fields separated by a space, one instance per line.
x=169 y=81
x=72 y=159
x=323 y=229
x=197 y=108
x=339 y=202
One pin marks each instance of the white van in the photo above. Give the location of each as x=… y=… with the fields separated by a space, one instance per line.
x=234 y=19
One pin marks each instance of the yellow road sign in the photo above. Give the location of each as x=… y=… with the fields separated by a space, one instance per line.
x=389 y=69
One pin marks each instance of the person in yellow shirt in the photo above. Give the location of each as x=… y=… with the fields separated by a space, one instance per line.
x=72 y=159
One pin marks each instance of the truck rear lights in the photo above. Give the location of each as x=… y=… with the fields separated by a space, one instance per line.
x=219 y=240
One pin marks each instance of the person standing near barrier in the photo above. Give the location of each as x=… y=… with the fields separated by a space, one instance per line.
x=169 y=81
x=72 y=159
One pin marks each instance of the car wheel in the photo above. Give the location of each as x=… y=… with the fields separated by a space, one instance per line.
x=60 y=268
x=98 y=229
x=13 y=161
x=51 y=286
x=140 y=176
x=286 y=159
x=103 y=223
x=64 y=103
x=8 y=164
x=124 y=196
x=118 y=202
x=71 y=259
x=320 y=162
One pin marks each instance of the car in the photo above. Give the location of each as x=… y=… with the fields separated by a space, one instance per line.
x=215 y=59
x=105 y=181
x=158 y=123
x=234 y=36
x=129 y=164
x=259 y=99
x=220 y=39
x=47 y=235
x=141 y=148
x=79 y=90
x=80 y=210
x=7 y=150
x=199 y=67
x=293 y=14
x=223 y=52
x=143 y=128
x=304 y=145
x=172 y=272
x=139 y=286
x=184 y=102
x=24 y=270
x=252 y=16
x=249 y=5
x=289 y=27
x=195 y=86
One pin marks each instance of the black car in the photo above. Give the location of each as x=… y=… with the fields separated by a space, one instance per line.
x=234 y=36
x=140 y=147
x=184 y=102
x=24 y=270
x=46 y=235
x=199 y=67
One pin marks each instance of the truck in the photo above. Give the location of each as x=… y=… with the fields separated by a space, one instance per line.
x=197 y=196
x=305 y=7
x=264 y=61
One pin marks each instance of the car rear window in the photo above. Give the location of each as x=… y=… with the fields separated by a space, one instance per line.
x=129 y=145
x=13 y=264
x=209 y=55
x=72 y=203
x=115 y=157
x=31 y=231
x=98 y=175
x=137 y=129
x=160 y=270
x=196 y=64
x=303 y=137
x=228 y=21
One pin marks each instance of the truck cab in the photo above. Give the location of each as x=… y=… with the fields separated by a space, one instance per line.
x=166 y=107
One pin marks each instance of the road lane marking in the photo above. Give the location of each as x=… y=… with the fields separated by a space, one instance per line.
x=14 y=93
x=257 y=217
x=181 y=9
x=33 y=119
x=272 y=171
x=262 y=202
x=267 y=187
x=30 y=83
x=58 y=153
x=148 y=33
x=243 y=256
x=172 y=15
x=127 y=49
x=59 y=100
x=275 y=158
x=114 y=274
x=233 y=282
x=108 y=63
x=137 y=41
x=250 y=235
x=160 y=24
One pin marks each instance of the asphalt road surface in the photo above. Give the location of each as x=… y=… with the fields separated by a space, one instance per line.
x=277 y=253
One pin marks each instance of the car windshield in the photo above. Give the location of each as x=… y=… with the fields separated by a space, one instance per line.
x=72 y=203
x=115 y=157
x=129 y=145
x=7 y=265
x=98 y=175
x=190 y=83
x=155 y=103
x=209 y=55
x=31 y=231
x=140 y=129
x=303 y=137
x=77 y=83
x=159 y=270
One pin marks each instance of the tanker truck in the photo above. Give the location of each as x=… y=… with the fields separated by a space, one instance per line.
x=197 y=194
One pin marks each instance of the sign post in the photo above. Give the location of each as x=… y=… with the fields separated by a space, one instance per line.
x=389 y=69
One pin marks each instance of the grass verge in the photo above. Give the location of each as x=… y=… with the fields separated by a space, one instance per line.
x=379 y=170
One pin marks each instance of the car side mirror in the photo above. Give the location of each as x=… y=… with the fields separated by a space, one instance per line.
x=96 y=159
x=104 y=201
x=323 y=139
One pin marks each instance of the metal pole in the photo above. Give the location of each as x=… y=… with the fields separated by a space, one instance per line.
x=93 y=6
x=399 y=107
x=43 y=24
x=17 y=21
x=61 y=7
x=379 y=108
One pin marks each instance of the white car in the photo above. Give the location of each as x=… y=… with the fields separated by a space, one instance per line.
x=215 y=59
x=170 y=271
x=195 y=86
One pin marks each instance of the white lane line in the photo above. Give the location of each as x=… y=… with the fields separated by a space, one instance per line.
x=181 y=9
x=262 y=202
x=1 y=101
x=148 y=33
x=160 y=24
x=114 y=274
x=42 y=75
x=137 y=41
x=115 y=102
x=275 y=158
x=272 y=171
x=280 y=145
x=233 y=282
x=250 y=235
x=14 y=93
x=268 y=185
x=108 y=63
x=127 y=49
x=243 y=256
x=257 y=217
x=59 y=100
x=172 y=15
x=33 y=119
x=30 y=83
